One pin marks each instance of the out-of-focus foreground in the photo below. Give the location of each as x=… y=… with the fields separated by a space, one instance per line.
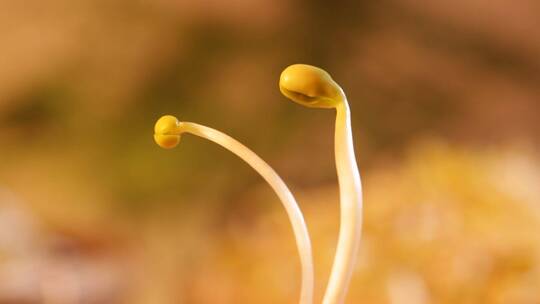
x=444 y=96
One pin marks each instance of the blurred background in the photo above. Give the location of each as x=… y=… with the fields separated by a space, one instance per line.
x=445 y=101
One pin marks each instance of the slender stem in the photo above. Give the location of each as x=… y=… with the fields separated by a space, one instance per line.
x=295 y=215
x=350 y=192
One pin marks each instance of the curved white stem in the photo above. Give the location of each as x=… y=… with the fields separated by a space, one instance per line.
x=350 y=192
x=295 y=215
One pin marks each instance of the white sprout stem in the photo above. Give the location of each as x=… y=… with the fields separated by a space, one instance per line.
x=350 y=192
x=295 y=215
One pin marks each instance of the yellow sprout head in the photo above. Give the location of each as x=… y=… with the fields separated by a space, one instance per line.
x=167 y=132
x=310 y=86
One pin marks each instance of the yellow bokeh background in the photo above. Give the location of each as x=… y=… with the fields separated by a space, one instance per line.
x=444 y=98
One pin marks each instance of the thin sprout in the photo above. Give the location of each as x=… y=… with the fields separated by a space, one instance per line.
x=313 y=87
x=167 y=135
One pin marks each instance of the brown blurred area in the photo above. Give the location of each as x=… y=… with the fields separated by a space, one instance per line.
x=445 y=100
